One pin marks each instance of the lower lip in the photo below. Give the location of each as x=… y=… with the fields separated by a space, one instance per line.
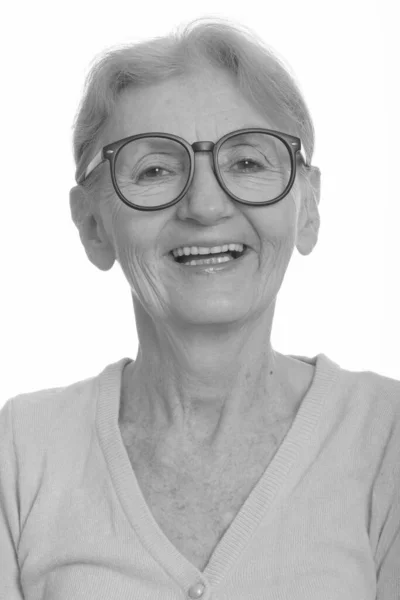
x=230 y=265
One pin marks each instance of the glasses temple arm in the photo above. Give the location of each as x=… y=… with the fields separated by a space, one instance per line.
x=97 y=160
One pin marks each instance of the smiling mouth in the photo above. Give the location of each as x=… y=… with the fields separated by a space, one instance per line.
x=190 y=257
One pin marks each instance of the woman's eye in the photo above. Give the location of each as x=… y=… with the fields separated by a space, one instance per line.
x=147 y=171
x=248 y=163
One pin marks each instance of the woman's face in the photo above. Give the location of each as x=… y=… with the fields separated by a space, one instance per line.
x=204 y=107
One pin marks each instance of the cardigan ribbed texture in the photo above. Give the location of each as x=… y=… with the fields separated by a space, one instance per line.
x=322 y=522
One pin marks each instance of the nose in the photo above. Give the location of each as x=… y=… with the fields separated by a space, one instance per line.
x=205 y=201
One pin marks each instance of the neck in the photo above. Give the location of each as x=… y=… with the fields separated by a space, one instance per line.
x=205 y=384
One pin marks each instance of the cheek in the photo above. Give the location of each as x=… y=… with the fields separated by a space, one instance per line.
x=277 y=225
x=133 y=262
x=138 y=263
x=126 y=231
x=140 y=273
x=276 y=253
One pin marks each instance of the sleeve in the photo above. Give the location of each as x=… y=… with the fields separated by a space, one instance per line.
x=388 y=549
x=10 y=586
x=388 y=579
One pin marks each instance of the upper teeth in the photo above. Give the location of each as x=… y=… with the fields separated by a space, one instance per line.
x=202 y=250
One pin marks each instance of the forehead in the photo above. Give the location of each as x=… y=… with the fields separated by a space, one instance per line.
x=201 y=107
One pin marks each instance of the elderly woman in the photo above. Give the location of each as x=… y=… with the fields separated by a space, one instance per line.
x=212 y=466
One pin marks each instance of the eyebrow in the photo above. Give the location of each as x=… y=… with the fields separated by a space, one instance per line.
x=252 y=126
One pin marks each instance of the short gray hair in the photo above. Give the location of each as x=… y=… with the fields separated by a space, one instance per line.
x=261 y=76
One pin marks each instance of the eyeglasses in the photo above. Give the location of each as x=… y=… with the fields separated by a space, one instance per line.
x=152 y=171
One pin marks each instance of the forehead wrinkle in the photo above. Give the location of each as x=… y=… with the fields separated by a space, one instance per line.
x=209 y=116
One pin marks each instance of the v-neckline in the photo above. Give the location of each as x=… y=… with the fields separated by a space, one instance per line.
x=281 y=470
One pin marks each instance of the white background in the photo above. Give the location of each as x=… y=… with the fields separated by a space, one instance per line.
x=63 y=320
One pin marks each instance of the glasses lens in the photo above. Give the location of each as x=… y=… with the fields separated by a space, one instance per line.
x=153 y=171
x=255 y=167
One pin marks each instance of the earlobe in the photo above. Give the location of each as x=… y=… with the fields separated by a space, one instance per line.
x=307 y=236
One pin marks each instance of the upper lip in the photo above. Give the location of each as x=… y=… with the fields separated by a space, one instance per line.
x=208 y=243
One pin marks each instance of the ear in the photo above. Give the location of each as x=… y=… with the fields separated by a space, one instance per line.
x=309 y=221
x=94 y=238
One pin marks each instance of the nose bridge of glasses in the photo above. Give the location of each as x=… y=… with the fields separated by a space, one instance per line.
x=203 y=146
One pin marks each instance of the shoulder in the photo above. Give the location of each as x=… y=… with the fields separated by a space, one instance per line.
x=371 y=390
x=46 y=419
x=39 y=423
x=50 y=405
x=360 y=413
x=367 y=406
x=43 y=407
x=364 y=394
x=357 y=388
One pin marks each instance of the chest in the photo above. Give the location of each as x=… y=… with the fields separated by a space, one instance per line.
x=195 y=506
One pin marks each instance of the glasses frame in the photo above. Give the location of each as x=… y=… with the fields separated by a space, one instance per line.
x=110 y=152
